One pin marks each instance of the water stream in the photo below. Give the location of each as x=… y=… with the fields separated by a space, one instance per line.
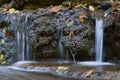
x=21 y=24
x=60 y=41
x=23 y=38
x=99 y=40
x=98 y=46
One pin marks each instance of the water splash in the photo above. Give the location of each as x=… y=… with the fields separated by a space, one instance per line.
x=99 y=40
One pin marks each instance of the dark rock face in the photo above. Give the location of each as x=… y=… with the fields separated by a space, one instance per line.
x=50 y=28
x=112 y=42
x=69 y=31
x=17 y=4
x=7 y=39
x=44 y=36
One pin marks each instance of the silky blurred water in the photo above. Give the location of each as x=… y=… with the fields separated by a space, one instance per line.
x=99 y=40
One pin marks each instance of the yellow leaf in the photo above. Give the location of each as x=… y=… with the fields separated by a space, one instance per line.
x=71 y=34
x=4 y=30
x=111 y=0
x=69 y=3
x=12 y=10
x=118 y=8
x=91 y=8
x=79 y=5
x=3 y=42
x=81 y=20
x=62 y=68
x=3 y=62
x=1 y=56
x=61 y=6
x=1 y=8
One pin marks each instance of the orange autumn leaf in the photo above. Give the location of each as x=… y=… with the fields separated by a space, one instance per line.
x=89 y=73
x=81 y=15
x=55 y=9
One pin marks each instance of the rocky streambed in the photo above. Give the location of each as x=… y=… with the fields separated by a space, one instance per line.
x=67 y=71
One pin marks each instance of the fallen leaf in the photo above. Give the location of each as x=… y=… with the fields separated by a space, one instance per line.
x=105 y=14
x=71 y=34
x=55 y=9
x=111 y=0
x=81 y=20
x=12 y=10
x=1 y=56
x=62 y=68
x=91 y=8
x=3 y=42
x=89 y=73
x=4 y=30
x=3 y=62
x=81 y=15
x=61 y=6
x=69 y=24
x=79 y=5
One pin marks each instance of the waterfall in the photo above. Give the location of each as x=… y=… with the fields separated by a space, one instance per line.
x=99 y=40
x=27 y=24
x=18 y=43
x=21 y=23
x=98 y=46
x=23 y=46
x=60 y=41
x=25 y=37
x=60 y=44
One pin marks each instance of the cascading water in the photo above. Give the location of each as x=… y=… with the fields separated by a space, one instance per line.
x=21 y=23
x=25 y=37
x=23 y=46
x=60 y=41
x=99 y=40
x=98 y=46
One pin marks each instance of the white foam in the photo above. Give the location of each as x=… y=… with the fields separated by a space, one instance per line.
x=24 y=62
x=93 y=63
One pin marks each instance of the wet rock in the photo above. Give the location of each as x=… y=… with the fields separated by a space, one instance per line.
x=47 y=24
x=105 y=5
x=47 y=30
x=111 y=41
